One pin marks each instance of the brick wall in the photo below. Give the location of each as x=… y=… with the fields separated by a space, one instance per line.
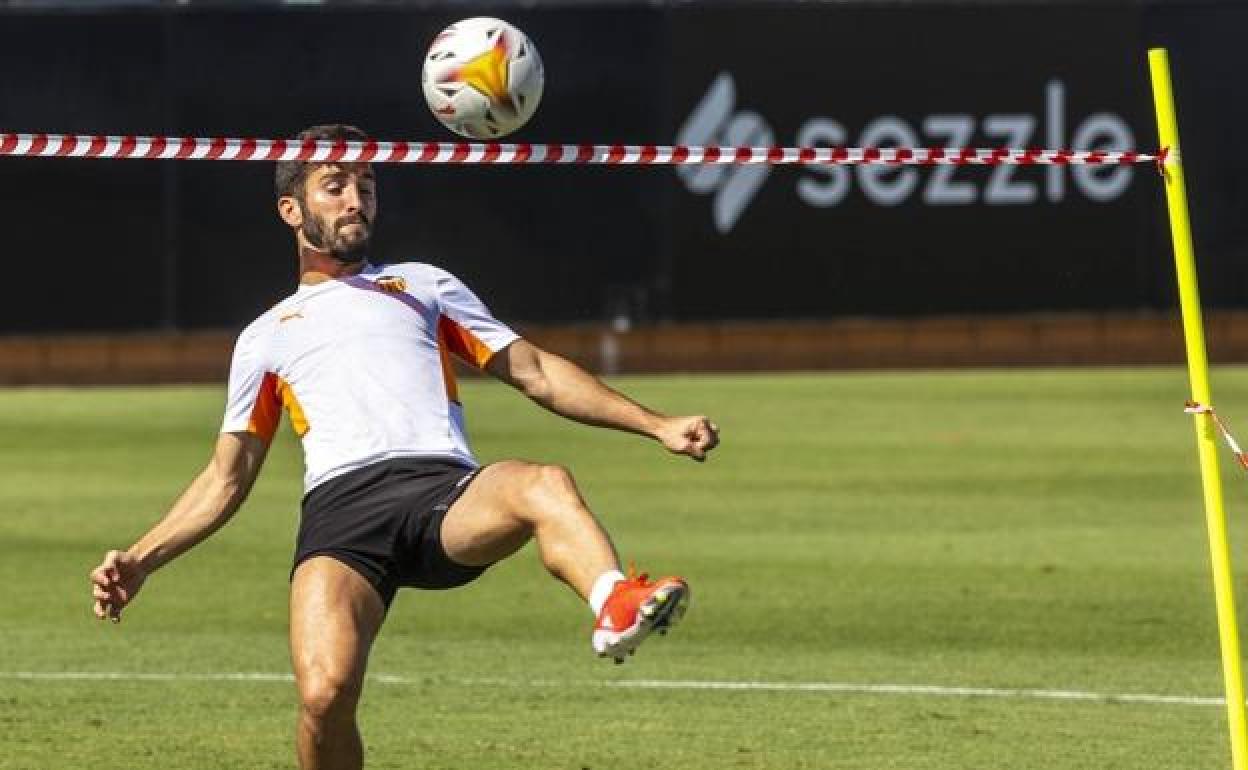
x=740 y=346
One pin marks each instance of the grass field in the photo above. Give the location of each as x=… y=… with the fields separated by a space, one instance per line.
x=1025 y=529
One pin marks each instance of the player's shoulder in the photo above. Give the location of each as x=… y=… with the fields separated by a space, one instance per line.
x=263 y=326
x=415 y=271
x=422 y=277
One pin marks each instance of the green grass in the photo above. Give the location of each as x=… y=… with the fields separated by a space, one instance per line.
x=1020 y=529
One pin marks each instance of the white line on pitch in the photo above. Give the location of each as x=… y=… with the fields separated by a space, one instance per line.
x=656 y=684
x=141 y=676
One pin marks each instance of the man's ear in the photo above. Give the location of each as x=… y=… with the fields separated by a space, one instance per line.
x=290 y=211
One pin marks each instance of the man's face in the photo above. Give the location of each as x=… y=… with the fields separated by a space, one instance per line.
x=339 y=207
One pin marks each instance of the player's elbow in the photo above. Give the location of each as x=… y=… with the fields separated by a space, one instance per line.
x=233 y=491
x=233 y=468
x=538 y=388
x=527 y=372
x=227 y=486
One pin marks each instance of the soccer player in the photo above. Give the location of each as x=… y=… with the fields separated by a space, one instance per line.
x=359 y=358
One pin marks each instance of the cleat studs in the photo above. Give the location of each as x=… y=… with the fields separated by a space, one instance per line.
x=618 y=661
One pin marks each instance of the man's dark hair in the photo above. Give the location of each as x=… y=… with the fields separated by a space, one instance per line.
x=291 y=174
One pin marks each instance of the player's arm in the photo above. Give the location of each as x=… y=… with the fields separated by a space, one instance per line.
x=568 y=390
x=207 y=504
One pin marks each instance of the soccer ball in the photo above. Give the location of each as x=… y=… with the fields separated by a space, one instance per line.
x=482 y=78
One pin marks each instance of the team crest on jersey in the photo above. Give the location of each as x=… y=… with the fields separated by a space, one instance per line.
x=392 y=283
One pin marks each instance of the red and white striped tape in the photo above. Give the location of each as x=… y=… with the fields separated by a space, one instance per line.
x=322 y=150
x=1192 y=407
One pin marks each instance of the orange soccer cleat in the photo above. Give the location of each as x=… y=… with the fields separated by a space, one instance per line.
x=636 y=607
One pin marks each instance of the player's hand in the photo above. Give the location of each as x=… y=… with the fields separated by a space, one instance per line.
x=692 y=436
x=114 y=584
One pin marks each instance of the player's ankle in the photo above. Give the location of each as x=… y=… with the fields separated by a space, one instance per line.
x=601 y=589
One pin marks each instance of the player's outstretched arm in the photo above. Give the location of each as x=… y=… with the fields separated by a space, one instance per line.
x=209 y=502
x=568 y=390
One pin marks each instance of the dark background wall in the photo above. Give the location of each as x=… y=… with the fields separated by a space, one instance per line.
x=111 y=245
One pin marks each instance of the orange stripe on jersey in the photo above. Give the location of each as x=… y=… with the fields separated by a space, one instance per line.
x=464 y=343
x=448 y=369
x=267 y=410
x=298 y=420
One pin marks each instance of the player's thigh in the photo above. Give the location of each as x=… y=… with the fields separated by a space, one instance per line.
x=491 y=519
x=335 y=615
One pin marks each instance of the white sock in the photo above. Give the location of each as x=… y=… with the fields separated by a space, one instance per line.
x=602 y=589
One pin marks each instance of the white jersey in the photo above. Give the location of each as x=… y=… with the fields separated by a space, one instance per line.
x=361 y=364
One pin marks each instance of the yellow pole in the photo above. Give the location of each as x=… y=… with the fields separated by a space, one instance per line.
x=1198 y=372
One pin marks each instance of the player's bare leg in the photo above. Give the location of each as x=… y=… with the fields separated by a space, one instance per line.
x=510 y=502
x=334 y=616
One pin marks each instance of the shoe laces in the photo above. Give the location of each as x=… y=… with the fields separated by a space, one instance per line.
x=636 y=579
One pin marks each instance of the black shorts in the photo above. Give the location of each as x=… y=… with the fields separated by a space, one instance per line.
x=385 y=522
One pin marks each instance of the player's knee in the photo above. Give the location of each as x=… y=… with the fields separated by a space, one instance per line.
x=324 y=697
x=538 y=491
x=555 y=481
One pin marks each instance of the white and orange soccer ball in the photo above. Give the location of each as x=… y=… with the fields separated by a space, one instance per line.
x=483 y=78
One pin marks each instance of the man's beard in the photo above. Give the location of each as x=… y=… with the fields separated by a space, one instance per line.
x=329 y=241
